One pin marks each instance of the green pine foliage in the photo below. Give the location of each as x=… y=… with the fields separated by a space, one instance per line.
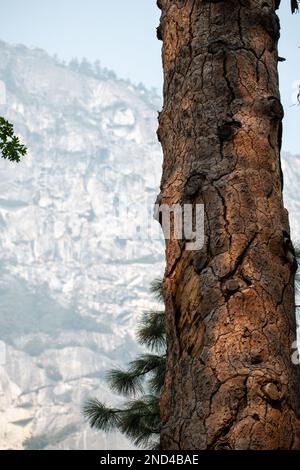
x=141 y=384
x=157 y=289
x=151 y=331
x=10 y=145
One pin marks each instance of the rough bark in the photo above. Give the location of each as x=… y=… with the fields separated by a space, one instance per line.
x=230 y=382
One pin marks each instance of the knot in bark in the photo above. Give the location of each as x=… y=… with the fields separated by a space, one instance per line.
x=217 y=46
x=232 y=285
x=227 y=130
x=271 y=392
x=199 y=261
x=274 y=108
x=159 y=33
x=194 y=184
x=256 y=356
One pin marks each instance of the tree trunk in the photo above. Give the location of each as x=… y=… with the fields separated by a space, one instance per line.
x=230 y=315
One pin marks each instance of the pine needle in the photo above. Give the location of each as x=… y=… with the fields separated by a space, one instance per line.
x=157 y=289
x=100 y=416
x=125 y=382
x=151 y=330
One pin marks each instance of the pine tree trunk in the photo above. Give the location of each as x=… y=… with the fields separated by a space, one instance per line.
x=230 y=381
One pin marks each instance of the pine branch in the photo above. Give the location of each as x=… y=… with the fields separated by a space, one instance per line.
x=130 y=382
x=146 y=363
x=100 y=416
x=156 y=382
x=157 y=289
x=151 y=330
x=297 y=282
x=141 y=420
x=154 y=445
x=125 y=382
x=297 y=251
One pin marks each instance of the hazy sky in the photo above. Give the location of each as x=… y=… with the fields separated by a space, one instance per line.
x=122 y=35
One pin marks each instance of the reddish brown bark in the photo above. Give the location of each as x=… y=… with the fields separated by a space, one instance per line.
x=230 y=313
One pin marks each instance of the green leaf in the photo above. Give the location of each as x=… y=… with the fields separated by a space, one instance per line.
x=10 y=146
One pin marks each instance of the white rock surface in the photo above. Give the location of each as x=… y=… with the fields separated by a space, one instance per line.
x=71 y=288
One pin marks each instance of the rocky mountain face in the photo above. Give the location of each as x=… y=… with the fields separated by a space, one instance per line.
x=291 y=171
x=76 y=261
x=77 y=248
